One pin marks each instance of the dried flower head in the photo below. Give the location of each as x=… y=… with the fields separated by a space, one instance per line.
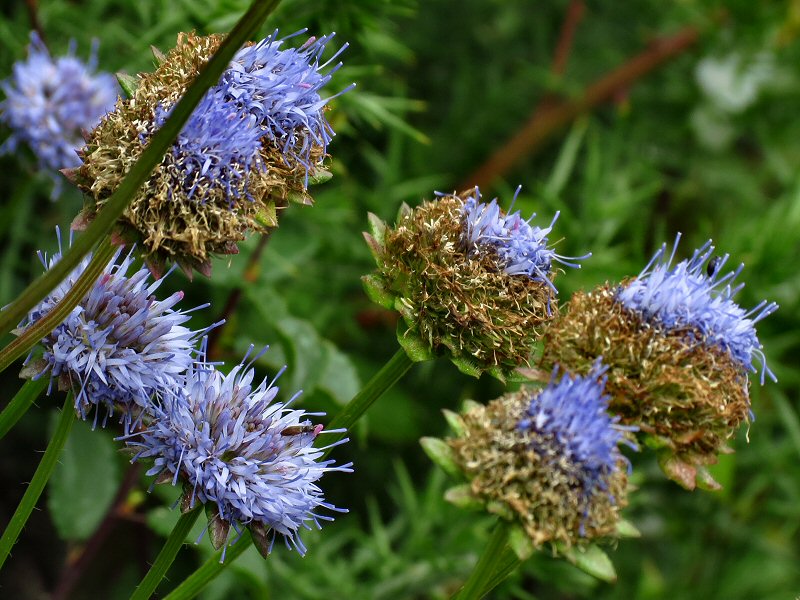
x=679 y=351
x=254 y=143
x=470 y=281
x=249 y=458
x=549 y=459
x=120 y=346
x=49 y=102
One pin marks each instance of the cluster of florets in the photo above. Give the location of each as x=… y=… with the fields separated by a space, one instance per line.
x=237 y=450
x=119 y=346
x=253 y=144
x=249 y=459
x=50 y=102
x=521 y=249
x=696 y=296
x=469 y=281
x=548 y=459
x=679 y=351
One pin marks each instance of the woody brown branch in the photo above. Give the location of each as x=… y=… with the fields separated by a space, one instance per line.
x=543 y=124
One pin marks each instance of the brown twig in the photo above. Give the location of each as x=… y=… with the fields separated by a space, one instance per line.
x=251 y=272
x=566 y=37
x=544 y=124
x=75 y=567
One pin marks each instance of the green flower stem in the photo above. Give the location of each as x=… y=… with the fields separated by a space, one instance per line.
x=197 y=581
x=43 y=472
x=51 y=320
x=492 y=563
x=20 y=403
x=168 y=553
x=384 y=379
x=247 y=26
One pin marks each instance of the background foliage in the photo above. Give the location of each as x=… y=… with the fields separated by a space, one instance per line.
x=707 y=143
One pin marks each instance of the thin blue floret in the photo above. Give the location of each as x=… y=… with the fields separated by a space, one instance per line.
x=522 y=249
x=239 y=448
x=689 y=297
x=572 y=413
x=120 y=346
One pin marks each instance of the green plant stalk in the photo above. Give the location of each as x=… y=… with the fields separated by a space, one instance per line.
x=20 y=403
x=140 y=171
x=197 y=581
x=40 y=477
x=384 y=379
x=484 y=576
x=168 y=553
x=60 y=311
x=506 y=565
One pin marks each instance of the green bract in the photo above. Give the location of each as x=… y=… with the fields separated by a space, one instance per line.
x=455 y=304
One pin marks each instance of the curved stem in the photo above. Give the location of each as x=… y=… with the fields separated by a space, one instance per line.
x=484 y=576
x=36 y=486
x=384 y=379
x=20 y=403
x=197 y=581
x=168 y=553
x=140 y=171
x=51 y=320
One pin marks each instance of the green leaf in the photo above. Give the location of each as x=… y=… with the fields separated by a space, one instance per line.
x=455 y=421
x=377 y=228
x=84 y=482
x=128 y=83
x=520 y=542
x=591 y=560
x=462 y=497
x=441 y=454
x=375 y=290
x=414 y=347
x=627 y=529
x=339 y=377
x=320 y=176
x=467 y=366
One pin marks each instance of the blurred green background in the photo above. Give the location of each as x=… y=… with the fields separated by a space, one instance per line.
x=648 y=118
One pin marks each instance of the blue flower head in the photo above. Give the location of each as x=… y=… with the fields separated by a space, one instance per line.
x=120 y=346
x=697 y=295
x=50 y=102
x=573 y=414
x=548 y=459
x=251 y=147
x=281 y=89
x=216 y=149
x=521 y=248
x=236 y=447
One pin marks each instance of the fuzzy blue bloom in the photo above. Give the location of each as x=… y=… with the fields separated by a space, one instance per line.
x=521 y=248
x=238 y=448
x=281 y=89
x=217 y=148
x=572 y=414
x=690 y=297
x=119 y=346
x=49 y=102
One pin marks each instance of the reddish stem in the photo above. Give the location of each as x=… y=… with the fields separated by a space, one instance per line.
x=544 y=124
